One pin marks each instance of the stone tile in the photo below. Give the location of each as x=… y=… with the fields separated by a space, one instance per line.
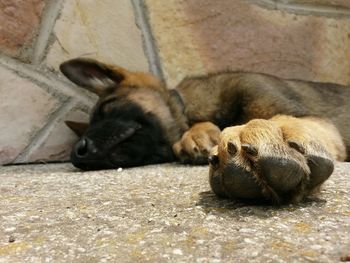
x=332 y=3
x=58 y=145
x=200 y=36
x=19 y=21
x=24 y=110
x=178 y=49
x=106 y=31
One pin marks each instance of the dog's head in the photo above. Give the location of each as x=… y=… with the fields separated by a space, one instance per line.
x=133 y=123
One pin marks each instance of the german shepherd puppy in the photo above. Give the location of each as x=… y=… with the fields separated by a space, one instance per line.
x=266 y=138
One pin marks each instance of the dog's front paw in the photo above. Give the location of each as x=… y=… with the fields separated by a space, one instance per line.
x=254 y=162
x=283 y=159
x=196 y=143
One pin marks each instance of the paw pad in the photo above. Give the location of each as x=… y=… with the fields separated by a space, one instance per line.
x=239 y=183
x=297 y=146
x=321 y=168
x=283 y=175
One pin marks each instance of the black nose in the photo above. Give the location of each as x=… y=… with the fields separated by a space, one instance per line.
x=86 y=156
x=81 y=148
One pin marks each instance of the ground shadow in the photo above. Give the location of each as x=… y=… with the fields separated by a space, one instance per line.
x=213 y=204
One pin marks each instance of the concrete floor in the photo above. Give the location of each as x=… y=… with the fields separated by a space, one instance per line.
x=161 y=213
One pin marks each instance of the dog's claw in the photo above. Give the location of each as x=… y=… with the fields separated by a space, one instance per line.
x=250 y=149
x=297 y=146
x=231 y=148
x=213 y=160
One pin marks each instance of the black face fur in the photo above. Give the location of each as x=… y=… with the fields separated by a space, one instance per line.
x=124 y=136
x=121 y=133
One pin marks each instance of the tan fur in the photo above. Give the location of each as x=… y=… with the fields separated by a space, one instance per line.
x=198 y=141
x=311 y=130
x=138 y=79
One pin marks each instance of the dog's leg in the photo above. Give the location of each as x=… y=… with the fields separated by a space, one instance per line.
x=196 y=143
x=280 y=160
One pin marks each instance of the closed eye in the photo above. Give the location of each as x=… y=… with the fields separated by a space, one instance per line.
x=103 y=108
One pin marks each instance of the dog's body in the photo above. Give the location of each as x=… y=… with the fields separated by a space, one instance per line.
x=285 y=137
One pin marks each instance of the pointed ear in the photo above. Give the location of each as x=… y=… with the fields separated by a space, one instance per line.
x=92 y=75
x=78 y=128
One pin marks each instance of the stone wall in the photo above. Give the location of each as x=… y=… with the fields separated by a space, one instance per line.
x=307 y=39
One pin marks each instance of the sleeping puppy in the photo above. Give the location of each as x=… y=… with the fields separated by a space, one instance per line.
x=266 y=138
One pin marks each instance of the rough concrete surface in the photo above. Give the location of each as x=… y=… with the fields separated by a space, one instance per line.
x=161 y=213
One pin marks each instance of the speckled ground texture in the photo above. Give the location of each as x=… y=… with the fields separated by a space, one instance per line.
x=161 y=213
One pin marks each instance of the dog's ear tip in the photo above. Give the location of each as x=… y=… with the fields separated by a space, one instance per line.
x=69 y=123
x=78 y=128
x=68 y=63
x=64 y=67
x=91 y=74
